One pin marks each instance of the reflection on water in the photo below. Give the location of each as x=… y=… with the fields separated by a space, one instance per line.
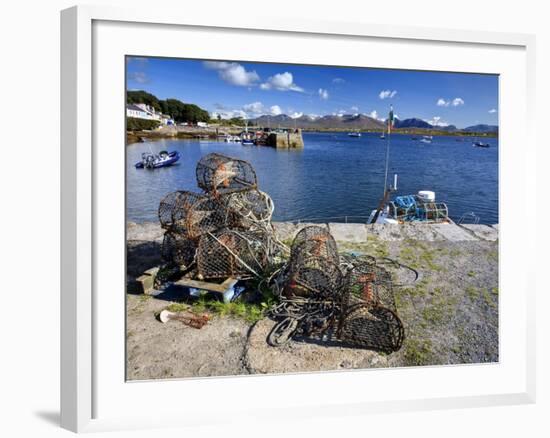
x=333 y=176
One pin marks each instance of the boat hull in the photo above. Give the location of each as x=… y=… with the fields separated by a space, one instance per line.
x=172 y=158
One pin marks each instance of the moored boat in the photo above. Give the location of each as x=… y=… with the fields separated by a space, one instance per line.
x=420 y=208
x=155 y=161
x=480 y=144
x=354 y=134
x=426 y=139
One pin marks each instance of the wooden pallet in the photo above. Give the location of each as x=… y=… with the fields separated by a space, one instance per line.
x=222 y=288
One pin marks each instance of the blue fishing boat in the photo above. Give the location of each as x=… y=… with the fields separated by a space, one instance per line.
x=155 y=161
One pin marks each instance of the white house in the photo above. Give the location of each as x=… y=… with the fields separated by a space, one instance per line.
x=137 y=111
x=146 y=112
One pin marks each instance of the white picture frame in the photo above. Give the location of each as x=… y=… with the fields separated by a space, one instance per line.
x=91 y=391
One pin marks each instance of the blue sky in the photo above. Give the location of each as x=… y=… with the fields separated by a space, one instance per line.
x=235 y=88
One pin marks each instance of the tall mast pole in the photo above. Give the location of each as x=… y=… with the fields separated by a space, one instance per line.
x=386 y=194
x=388 y=150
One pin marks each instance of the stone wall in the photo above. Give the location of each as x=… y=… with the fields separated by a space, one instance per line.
x=286 y=140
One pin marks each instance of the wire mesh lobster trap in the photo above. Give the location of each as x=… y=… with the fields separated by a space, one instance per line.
x=322 y=293
x=251 y=208
x=313 y=241
x=217 y=174
x=193 y=214
x=168 y=204
x=370 y=283
x=178 y=250
x=232 y=253
x=316 y=278
x=376 y=328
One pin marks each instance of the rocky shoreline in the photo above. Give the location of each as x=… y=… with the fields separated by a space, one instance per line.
x=450 y=315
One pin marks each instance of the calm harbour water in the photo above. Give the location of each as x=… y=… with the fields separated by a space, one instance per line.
x=333 y=176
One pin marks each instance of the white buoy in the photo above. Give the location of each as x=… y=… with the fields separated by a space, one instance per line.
x=165 y=316
x=426 y=195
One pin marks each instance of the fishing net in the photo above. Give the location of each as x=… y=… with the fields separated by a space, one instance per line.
x=376 y=328
x=232 y=253
x=218 y=174
x=178 y=250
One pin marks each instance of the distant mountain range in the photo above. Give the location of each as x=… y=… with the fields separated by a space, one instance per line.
x=481 y=128
x=346 y=121
x=359 y=121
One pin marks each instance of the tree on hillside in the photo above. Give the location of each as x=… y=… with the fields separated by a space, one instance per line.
x=184 y=112
x=180 y=112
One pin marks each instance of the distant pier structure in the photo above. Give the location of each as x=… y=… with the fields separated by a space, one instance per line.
x=285 y=139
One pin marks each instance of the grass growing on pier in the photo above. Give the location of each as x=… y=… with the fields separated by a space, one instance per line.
x=418 y=352
x=249 y=312
x=251 y=306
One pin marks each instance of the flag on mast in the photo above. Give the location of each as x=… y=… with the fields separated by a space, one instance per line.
x=390 y=119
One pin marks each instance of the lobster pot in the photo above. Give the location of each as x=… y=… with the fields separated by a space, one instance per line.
x=315 y=277
x=371 y=284
x=232 y=253
x=360 y=285
x=251 y=208
x=168 y=204
x=432 y=211
x=314 y=241
x=195 y=215
x=376 y=328
x=218 y=173
x=178 y=250
x=384 y=288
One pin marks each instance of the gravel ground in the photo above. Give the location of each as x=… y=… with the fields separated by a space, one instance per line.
x=450 y=314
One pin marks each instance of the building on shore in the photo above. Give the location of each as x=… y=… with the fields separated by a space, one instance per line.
x=146 y=112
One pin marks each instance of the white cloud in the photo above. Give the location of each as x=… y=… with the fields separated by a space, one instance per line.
x=436 y=121
x=282 y=82
x=229 y=114
x=254 y=108
x=338 y=81
x=492 y=111
x=248 y=111
x=275 y=110
x=233 y=73
x=354 y=108
x=323 y=94
x=139 y=77
x=296 y=115
x=387 y=94
x=457 y=101
x=374 y=114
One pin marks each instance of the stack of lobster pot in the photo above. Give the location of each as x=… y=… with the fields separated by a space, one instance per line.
x=226 y=230
x=355 y=299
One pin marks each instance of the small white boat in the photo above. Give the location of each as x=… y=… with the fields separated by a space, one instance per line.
x=354 y=134
x=232 y=138
x=426 y=139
